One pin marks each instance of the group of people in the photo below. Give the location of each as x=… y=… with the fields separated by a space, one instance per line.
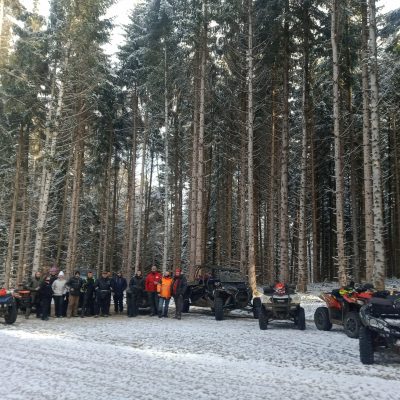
x=93 y=296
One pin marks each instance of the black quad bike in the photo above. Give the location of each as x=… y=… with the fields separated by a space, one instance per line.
x=8 y=306
x=380 y=326
x=281 y=302
x=222 y=289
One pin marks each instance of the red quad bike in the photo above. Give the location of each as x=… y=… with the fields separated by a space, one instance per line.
x=342 y=308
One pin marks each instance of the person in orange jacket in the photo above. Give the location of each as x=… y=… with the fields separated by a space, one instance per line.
x=164 y=289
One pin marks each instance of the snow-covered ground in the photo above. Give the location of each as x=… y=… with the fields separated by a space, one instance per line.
x=195 y=358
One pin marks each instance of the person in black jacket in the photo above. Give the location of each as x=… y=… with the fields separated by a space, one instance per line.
x=45 y=294
x=136 y=289
x=179 y=285
x=103 y=294
x=119 y=285
x=74 y=285
x=88 y=289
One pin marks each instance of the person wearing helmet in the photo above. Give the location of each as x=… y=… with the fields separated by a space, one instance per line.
x=280 y=288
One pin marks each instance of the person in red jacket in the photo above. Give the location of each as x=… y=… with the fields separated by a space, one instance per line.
x=153 y=278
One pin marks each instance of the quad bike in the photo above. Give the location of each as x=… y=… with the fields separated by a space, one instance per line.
x=342 y=308
x=8 y=306
x=24 y=302
x=380 y=326
x=222 y=289
x=280 y=302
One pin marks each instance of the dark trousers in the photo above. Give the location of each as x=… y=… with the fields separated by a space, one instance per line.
x=133 y=305
x=118 y=302
x=35 y=302
x=45 y=305
x=59 y=305
x=88 y=305
x=65 y=305
x=178 y=305
x=153 y=302
x=103 y=300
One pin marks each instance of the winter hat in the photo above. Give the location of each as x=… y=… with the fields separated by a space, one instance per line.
x=61 y=274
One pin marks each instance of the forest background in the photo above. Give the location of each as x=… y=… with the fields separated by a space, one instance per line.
x=261 y=135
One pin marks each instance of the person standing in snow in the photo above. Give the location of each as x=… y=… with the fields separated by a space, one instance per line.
x=136 y=288
x=45 y=293
x=74 y=285
x=88 y=289
x=179 y=285
x=33 y=286
x=164 y=289
x=119 y=285
x=59 y=290
x=153 y=278
x=103 y=294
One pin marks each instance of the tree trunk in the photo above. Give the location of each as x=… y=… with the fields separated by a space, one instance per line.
x=147 y=207
x=369 y=217
x=270 y=250
x=250 y=165
x=15 y=202
x=166 y=178
x=302 y=278
x=284 y=217
x=114 y=216
x=76 y=193
x=378 y=275
x=141 y=197
x=341 y=257
x=47 y=175
x=200 y=231
x=131 y=194
x=193 y=182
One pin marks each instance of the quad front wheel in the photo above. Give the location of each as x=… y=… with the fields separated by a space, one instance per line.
x=322 y=320
x=256 y=307
x=301 y=319
x=263 y=319
x=185 y=306
x=352 y=324
x=11 y=314
x=219 y=309
x=366 y=346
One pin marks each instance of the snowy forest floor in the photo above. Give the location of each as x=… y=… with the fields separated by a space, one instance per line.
x=196 y=358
